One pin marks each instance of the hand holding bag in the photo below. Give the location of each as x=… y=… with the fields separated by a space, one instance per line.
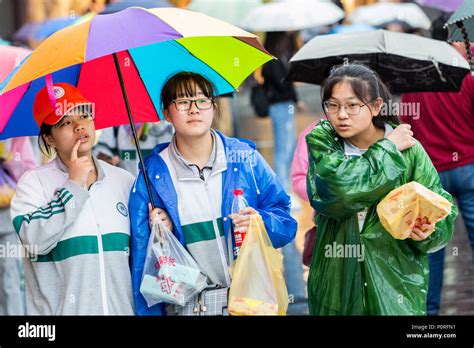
x=258 y=285
x=170 y=274
x=212 y=301
x=308 y=248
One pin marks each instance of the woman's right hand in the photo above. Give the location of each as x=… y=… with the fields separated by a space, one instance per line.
x=80 y=167
x=402 y=137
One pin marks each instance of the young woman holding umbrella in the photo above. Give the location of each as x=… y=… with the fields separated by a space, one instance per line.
x=193 y=179
x=71 y=215
x=356 y=157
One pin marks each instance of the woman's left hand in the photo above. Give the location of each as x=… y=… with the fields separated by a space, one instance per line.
x=160 y=214
x=422 y=233
x=242 y=220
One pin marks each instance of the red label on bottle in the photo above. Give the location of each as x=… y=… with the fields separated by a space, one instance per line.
x=239 y=238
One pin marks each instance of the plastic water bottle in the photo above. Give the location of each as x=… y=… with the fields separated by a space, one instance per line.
x=238 y=204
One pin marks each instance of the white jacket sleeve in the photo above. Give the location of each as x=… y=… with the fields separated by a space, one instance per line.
x=39 y=220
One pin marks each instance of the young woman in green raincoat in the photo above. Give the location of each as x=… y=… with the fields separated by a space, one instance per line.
x=356 y=157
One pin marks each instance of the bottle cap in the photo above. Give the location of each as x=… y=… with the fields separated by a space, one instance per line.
x=238 y=192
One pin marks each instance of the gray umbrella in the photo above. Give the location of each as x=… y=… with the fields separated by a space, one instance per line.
x=405 y=62
x=291 y=15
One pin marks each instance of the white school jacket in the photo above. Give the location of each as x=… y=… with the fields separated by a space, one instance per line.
x=78 y=241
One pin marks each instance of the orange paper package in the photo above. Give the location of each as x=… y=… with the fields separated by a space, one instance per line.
x=411 y=205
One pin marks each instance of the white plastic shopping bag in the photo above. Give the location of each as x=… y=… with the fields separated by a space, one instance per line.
x=170 y=273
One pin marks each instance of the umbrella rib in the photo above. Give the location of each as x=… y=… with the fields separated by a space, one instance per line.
x=404 y=70
x=143 y=83
x=86 y=46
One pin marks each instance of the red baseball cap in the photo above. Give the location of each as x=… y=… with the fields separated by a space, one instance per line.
x=67 y=97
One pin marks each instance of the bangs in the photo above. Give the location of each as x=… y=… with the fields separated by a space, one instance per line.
x=188 y=88
x=360 y=88
x=185 y=85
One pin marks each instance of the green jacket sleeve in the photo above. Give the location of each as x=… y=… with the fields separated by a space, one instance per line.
x=339 y=186
x=424 y=172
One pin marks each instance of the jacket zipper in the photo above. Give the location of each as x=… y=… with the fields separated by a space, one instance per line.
x=216 y=232
x=103 y=287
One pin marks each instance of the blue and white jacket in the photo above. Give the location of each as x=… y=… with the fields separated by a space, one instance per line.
x=246 y=169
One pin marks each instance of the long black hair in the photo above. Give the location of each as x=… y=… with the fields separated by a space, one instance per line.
x=45 y=131
x=367 y=87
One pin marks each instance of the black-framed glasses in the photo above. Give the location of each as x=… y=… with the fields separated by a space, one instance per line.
x=332 y=108
x=185 y=104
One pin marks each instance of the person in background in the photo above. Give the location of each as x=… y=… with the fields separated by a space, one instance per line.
x=445 y=128
x=283 y=101
x=116 y=145
x=16 y=157
x=299 y=171
x=226 y=121
x=299 y=166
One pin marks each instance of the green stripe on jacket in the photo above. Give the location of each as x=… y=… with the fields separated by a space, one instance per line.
x=131 y=155
x=54 y=203
x=43 y=213
x=201 y=231
x=116 y=241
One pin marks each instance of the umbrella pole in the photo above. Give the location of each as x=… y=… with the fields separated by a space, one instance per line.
x=134 y=131
x=467 y=44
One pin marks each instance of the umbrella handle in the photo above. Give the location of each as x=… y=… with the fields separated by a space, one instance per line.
x=134 y=131
x=467 y=45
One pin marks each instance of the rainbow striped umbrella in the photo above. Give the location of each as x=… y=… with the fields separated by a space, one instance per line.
x=10 y=57
x=121 y=61
x=144 y=47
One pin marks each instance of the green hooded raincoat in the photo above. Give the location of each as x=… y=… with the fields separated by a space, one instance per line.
x=367 y=272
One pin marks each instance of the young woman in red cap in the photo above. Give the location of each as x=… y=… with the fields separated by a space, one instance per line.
x=71 y=214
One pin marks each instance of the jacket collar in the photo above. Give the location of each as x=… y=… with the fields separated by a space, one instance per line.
x=232 y=143
x=184 y=169
x=100 y=171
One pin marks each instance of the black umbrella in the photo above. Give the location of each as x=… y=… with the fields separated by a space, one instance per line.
x=405 y=62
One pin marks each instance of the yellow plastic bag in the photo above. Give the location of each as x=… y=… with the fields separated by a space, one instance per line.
x=411 y=205
x=258 y=286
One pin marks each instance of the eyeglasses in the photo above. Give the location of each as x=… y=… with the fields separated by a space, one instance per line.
x=333 y=108
x=185 y=104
